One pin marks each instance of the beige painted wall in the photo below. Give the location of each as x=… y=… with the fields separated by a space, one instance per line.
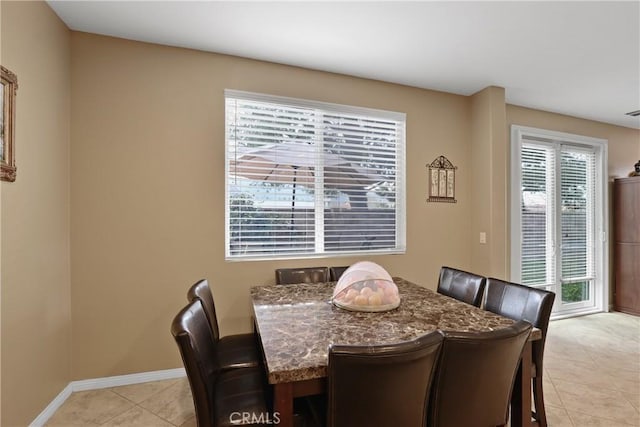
x=147 y=185
x=488 y=147
x=36 y=313
x=0 y=257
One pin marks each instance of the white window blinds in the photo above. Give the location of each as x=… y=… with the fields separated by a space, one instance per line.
x=578 y=209
x=538 y=214
x=306 y=178
x=544 y=210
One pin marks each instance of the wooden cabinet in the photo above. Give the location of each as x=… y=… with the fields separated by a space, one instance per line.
x=626 y=216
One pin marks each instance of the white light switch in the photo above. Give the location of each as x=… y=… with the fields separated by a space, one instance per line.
x=483 y=237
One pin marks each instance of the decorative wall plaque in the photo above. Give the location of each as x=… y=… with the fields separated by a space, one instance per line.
x=8 y=90
x=442 y=181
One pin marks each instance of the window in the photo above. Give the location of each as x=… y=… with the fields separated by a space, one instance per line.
x=559 y=217
x=307 y=179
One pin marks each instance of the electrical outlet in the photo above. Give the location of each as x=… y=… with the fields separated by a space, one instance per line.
x=483 y=237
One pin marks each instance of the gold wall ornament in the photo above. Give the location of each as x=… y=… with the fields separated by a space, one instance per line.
x=442 y=181
x=8 y=91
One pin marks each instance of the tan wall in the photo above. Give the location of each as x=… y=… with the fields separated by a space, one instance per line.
x=36 y=313
x=490 y=190
x=148 y=190
x=623 y=147
x=0 y=259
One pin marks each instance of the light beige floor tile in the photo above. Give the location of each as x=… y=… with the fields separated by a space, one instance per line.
x=140 y=392
x=552 y=361
x=631 y=389
x=173 y=404
x=63 y=418
x=191 y=422
x=558 y=417
x=551 y=397
x=629 y=338
x=88 y=408
x=587 y=373
x=627 y=382
x=618 y=361
x=603 y=403
x=566 y=350
x=620 y=373
x=623 y=340
x=137 y=417
x=584 y=420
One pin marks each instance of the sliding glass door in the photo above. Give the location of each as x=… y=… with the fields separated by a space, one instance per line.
x=558 y=217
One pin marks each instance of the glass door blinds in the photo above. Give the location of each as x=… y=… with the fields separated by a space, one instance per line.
x=558 y=223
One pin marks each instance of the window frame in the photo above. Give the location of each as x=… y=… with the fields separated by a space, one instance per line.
x=601 y=219
x=331 y=108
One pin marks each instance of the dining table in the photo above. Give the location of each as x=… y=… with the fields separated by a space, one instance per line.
x=297 y=323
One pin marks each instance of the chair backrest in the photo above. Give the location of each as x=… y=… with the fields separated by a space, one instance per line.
x=520 y=302
x=475 y=376
x=191 y=331
x=381 y=385
x=289 y=276
x=336 y=272
x=201 y=291
x=461 y=285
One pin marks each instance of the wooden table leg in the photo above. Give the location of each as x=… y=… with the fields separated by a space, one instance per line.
x=283 y=403
x=521 y=396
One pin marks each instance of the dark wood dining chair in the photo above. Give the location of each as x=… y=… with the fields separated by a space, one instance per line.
x=219 y=396
x=461 y=285
x=475 y=377
x=233 y=351
x=380 y=386
x=289 y=276
x=336 y=272
x=520 y=302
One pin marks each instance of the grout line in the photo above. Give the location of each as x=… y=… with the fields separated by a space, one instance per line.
x=601 y=418
x=154 y=394
x=550 y=379
x=156 y=415
x=116 y=415
x=566 y=412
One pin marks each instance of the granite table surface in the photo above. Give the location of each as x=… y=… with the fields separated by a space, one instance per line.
x=297 y=323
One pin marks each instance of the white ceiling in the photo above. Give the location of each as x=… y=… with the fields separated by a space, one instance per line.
x=576 y=58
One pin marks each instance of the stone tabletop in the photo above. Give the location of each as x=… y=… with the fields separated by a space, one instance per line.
x=297 y=323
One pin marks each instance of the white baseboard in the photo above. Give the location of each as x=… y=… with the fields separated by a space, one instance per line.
x=52 y=407
x=120 y=380
x=106 y=382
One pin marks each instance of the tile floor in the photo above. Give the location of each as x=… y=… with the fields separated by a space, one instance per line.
x=592 y=373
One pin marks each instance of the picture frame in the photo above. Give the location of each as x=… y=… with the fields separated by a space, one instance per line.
x=442 y=181
x=8 y=90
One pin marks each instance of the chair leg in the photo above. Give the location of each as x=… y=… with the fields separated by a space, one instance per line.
x=538 y=395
